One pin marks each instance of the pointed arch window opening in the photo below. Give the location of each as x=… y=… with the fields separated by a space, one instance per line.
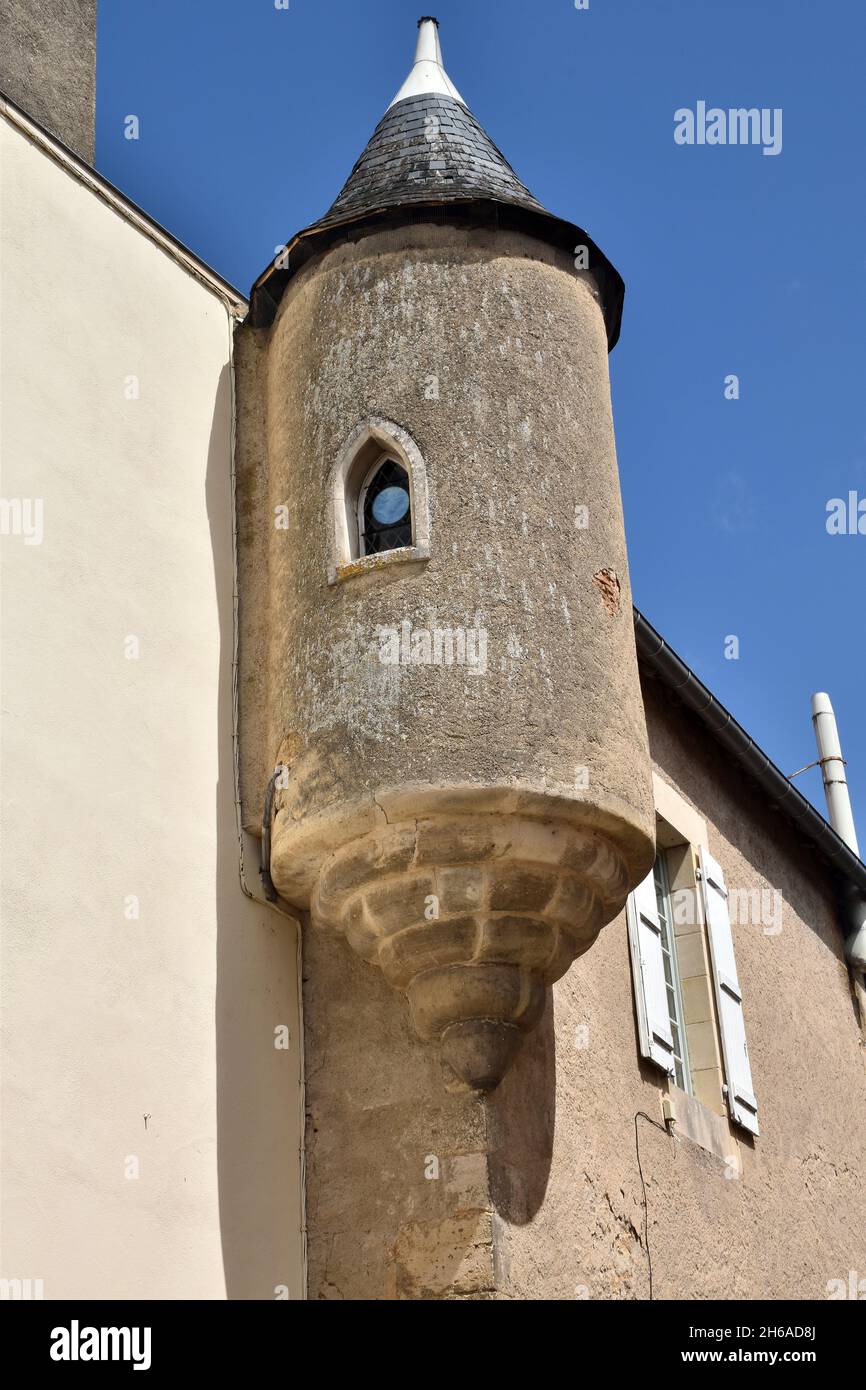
x=379 y=499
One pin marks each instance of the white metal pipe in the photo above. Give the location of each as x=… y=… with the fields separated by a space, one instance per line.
x=840 y=815
x=833 y=770
x=855 y=945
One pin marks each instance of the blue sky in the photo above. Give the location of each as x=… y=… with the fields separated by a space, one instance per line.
x=734 y=262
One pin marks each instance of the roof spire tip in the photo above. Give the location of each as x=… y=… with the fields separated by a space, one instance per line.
x=428 y=72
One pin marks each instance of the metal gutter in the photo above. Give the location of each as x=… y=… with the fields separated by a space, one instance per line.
x=658 y=659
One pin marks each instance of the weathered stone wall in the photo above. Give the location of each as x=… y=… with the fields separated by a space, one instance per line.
x=517 y=436
x=48 y=66
x=468 y=820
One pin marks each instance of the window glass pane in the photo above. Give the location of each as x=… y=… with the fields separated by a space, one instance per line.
x=386 y=522
x=672 y=978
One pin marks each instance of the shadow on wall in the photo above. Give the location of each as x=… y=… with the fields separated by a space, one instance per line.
x=523 y=1123
x=258 y=1083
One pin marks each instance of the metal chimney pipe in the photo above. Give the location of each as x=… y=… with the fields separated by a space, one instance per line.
x=855 y=946
x=833 y=770
x=840 y=815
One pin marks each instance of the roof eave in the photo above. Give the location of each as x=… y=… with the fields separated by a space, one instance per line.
x=269 y=288
x=96 y=183
x=660 y=660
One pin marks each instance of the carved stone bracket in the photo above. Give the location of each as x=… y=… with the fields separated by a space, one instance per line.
x=472 y=917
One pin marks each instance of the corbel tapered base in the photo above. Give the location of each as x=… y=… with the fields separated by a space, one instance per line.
x=472 y=917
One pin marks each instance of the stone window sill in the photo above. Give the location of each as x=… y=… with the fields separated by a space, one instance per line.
x=374 y=564
x=701 y=1126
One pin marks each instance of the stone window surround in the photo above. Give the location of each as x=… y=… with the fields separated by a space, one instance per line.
x=702 y=1118
x=346 y=481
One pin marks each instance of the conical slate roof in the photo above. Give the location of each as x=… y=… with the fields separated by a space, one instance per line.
x=429 y=151
x=428 y=148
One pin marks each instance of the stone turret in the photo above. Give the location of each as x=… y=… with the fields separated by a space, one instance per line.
x=437 y=644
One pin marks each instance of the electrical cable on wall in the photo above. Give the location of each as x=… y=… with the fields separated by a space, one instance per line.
x=641 y=1114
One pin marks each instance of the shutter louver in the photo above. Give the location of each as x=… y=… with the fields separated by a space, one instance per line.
x=729 y=999
x=648 y=972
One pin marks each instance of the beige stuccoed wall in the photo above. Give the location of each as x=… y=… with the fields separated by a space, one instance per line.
x=570 y=1211
x=117 y=780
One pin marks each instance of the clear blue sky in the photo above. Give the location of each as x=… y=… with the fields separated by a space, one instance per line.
x=734 y=262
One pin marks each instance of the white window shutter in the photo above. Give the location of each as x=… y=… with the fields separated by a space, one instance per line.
x=648 y=971
x=729 y=999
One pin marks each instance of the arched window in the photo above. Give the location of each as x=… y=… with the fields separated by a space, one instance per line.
x=379 y=501
x=385 y=508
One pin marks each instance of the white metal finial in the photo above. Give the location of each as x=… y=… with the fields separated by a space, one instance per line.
x=428 y=72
